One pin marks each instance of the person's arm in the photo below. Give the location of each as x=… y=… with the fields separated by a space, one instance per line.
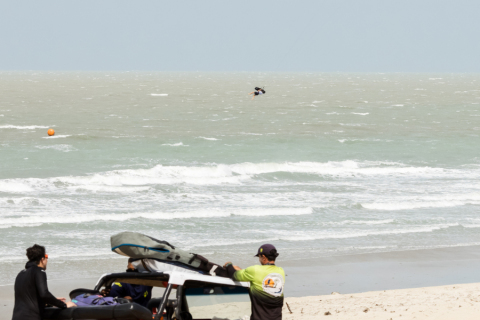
x=105 y=292
x=241 y=274
x=42 y=289
x=231 y=269
x=117 y=290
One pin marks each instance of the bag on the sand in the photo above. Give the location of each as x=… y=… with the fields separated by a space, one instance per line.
x=139 y=246
x=87 y=299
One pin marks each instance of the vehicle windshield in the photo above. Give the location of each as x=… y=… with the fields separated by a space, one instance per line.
x=220 y=302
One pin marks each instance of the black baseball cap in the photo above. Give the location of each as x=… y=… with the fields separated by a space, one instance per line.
x=266 y=249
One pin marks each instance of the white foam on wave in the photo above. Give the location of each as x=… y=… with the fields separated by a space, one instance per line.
x=234 y=174
x=367 y=140
x=9 y=126
x=58 y=147
x=48 y=218
x=366 y=222
x=251 y=134
x=286 y=235
x=179 y=144
x=38 y=220
x=211 y=139
x=58 y=136
x=30 y=202
x=352 y=124
x=159 y=94
x=108 y=189
x=347 y=167
x=366 y=233
x=361 y=114
x=272 y=212
x=427 y=201
x=65 y=256
x=393 y=206
x=229 y=242
x=471 y=226
x=12 y=186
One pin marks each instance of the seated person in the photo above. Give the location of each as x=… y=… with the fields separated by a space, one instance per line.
x=134 y=292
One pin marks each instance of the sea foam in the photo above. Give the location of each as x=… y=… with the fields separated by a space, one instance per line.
x=235 y=174
x=9 y=126
x=47 y=218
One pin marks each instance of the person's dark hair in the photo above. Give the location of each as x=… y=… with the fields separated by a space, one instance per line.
x=130 y=260
x=36 y=253
x=272 y=255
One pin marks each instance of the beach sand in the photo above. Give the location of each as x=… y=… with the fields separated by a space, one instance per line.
x=440 y=303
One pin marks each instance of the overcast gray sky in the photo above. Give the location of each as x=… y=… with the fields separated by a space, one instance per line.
x=227 y=35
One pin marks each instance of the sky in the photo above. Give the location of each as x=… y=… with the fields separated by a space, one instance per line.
x=226 y=35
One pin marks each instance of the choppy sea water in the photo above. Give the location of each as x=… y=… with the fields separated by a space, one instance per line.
x=322 y=165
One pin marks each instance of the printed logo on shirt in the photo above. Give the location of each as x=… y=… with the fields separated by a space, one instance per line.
x=273 y=284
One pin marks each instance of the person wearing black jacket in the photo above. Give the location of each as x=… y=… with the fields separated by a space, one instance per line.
x=31 y=290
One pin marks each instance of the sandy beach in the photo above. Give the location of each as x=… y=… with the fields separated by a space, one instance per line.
x=442 y=303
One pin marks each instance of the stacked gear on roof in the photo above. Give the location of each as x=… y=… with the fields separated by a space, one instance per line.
x=139 y=246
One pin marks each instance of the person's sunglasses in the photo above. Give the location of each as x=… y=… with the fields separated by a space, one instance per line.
x=46 y=256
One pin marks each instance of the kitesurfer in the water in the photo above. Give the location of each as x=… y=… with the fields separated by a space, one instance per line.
x=258 y=91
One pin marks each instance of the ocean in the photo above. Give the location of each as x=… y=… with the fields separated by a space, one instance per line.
x=321 y=165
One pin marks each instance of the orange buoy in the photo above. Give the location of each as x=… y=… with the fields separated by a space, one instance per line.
x=51 y=132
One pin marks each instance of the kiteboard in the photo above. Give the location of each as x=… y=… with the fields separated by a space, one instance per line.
x=158 y=255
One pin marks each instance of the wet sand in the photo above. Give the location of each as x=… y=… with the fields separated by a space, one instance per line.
x=382 y=271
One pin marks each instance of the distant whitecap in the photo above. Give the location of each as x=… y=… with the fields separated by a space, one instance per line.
x=58 y=136
x=180 y=144
x=211 y=139
x=9 y=126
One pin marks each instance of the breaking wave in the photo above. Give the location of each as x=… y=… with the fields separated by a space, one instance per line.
x=9 y=126
x=37 y=220
x=235 y=174
x=211 y=139
x=179 y=144
x=58 y=136
x=58 y=147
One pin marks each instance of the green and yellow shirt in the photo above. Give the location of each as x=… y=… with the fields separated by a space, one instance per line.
x=266 y=290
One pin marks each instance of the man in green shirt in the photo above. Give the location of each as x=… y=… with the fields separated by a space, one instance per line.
x=266 y=284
